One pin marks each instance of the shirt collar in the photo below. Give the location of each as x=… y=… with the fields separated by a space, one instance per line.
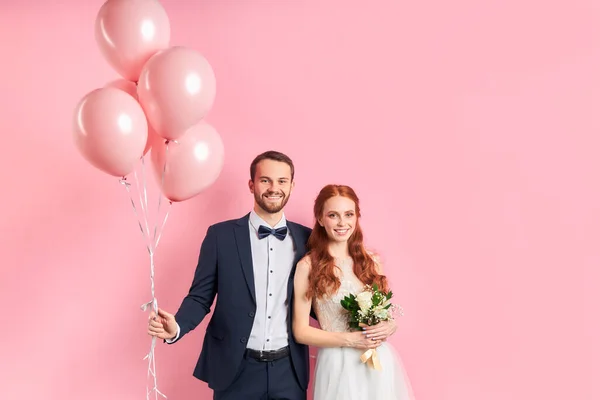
x=257 y=221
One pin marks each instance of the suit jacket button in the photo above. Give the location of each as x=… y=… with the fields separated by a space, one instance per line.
x=243 y=340
x=251 y=314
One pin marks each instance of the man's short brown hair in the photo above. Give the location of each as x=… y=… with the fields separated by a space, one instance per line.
x=270 y=155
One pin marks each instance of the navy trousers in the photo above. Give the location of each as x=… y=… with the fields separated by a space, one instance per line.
x=260 y=380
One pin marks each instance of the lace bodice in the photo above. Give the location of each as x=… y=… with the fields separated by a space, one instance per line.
x=330 y=313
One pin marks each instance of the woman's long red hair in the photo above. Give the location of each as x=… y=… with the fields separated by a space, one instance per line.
x=322 y=278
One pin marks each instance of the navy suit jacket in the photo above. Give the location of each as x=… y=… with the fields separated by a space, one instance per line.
x=225 y=270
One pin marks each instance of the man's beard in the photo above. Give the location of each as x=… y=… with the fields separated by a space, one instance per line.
x=271 y=208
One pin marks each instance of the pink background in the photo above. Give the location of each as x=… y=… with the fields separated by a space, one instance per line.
x=469 y=129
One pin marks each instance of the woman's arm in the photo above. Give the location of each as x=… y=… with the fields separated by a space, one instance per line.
x=306 y=334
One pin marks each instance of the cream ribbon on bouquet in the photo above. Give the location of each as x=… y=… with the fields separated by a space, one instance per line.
x=151 y=245
x=371 y=358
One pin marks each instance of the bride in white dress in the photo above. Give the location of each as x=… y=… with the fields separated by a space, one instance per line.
x=330 y=271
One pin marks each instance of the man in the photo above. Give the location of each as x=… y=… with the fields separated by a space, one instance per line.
x=249 y=351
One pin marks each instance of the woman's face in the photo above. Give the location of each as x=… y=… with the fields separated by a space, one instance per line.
x=339 y=218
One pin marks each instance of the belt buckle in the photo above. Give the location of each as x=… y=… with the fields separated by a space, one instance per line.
x=261 y=355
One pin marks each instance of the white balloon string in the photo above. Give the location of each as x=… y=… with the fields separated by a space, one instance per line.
x=162 y=182
x=144 y=196
x=127 y=185
x=163 y=225
x=157 y=234
x=151 y=388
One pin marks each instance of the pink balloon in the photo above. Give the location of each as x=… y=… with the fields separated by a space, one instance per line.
x=123 y=84
x=110 y=130
x=193 y=163
x=129 y=32
x=131 y=89
x=176 y=89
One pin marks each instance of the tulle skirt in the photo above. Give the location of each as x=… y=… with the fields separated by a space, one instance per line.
x=340 y=375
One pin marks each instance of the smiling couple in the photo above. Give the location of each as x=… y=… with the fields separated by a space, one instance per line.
x=271 y=276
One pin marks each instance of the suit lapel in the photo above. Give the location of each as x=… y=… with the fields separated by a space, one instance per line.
x=299 y=248
x=242 y=239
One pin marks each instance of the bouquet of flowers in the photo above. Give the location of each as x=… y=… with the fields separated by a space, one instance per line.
x=369 y=307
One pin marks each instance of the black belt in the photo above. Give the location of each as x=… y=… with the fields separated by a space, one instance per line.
x=268 y=355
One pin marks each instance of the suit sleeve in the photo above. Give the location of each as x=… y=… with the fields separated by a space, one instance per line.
x=202 y=292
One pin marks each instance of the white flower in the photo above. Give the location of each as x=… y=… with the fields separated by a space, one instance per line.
x=381 y=313
x=365 y=301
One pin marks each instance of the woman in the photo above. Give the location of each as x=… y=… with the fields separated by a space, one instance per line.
x=336 y=265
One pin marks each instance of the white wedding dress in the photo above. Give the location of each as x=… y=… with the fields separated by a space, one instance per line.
x=339 y=372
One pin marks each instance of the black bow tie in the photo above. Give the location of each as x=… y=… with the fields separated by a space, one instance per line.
x=279 y=233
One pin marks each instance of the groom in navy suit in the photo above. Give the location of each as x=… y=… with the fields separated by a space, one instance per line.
x=249 y=352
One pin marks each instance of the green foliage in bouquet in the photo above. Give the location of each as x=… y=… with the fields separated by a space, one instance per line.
x=368 y=307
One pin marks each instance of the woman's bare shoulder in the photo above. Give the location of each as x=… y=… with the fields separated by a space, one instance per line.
x=304 y=263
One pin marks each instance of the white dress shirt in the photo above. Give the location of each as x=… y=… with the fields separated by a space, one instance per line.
x=272 y=261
